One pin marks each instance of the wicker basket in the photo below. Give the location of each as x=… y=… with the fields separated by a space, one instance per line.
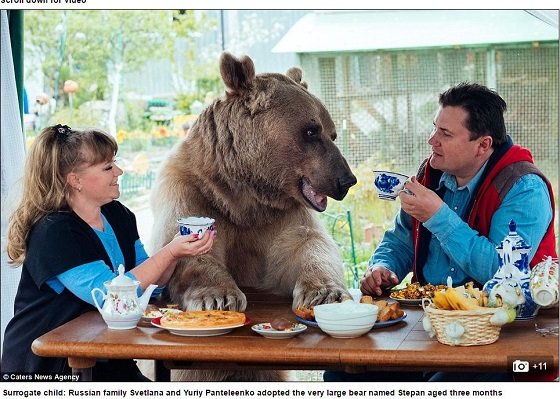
x=462 y=327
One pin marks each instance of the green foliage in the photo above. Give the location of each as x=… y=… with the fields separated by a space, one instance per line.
x=86 y=45
x=362 y=199
x=367 y=211
x=186 y=22
x=134 y=116
x=82 y=117
x=95 y=48
x=185 y=100
x=206 y=87
x=210 y=83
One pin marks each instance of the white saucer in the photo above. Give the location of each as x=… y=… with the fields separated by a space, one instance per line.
x=267 y=331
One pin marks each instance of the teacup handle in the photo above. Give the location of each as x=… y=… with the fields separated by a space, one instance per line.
x=93 y=291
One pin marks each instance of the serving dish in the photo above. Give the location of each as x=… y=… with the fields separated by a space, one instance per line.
x=196 y=332
x=266 y=330
x=381 y=324
x=147 y=318
x=310 y=323
x=408 y=302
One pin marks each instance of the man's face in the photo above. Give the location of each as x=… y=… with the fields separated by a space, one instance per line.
x=452 y=149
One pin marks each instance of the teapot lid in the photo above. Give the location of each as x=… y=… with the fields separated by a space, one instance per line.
x=121 y=279
x=515 y=239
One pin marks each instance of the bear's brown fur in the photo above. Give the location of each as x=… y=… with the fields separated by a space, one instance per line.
x=261 y=160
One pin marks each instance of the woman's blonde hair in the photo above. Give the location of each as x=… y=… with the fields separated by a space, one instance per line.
x=57 y=151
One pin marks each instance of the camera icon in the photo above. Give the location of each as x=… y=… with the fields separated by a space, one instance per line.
x=520 y=366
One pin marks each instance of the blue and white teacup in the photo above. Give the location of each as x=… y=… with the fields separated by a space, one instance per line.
x=388 y=184
x=195 y=225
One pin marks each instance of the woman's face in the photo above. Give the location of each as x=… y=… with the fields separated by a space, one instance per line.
x=99 y=182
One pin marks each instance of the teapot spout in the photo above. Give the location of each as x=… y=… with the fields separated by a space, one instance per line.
x=145 y=298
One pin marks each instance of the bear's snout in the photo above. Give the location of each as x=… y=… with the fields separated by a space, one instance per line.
x=347 y=181
x=343 y=185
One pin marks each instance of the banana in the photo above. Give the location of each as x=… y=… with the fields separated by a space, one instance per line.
x=470 y=288
x=483 y=299
x=452 y=297
x=458 y=301
x=461 y=290
x=465 y=297
x=473 y=303
x=473 y=292
x=440 y=300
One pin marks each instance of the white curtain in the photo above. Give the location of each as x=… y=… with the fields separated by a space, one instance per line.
x=13 y=159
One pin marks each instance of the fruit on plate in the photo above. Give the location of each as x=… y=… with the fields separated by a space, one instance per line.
x=281 y=324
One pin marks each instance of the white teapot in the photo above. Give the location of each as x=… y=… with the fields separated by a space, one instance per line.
x=122 y=308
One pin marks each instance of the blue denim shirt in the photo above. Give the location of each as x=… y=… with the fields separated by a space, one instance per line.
x=457 y=250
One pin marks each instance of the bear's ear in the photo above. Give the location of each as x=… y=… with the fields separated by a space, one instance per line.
x=238 y=74
x=296 y=74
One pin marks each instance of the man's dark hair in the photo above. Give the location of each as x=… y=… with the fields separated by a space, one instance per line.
x=484 y=107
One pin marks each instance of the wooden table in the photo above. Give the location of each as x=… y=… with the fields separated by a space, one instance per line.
x=405 y=346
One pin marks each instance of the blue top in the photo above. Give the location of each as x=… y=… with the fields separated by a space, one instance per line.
x=456 y=249
x=81 y=279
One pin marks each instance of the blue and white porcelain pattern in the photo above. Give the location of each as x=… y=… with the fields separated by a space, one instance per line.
x=388 y=184
x=195 y=225
x=514 y=271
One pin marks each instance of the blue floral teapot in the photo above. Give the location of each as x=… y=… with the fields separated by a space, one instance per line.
x=511 y=281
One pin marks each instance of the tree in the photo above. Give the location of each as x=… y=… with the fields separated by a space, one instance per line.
x=193 y=62
x=95 y=47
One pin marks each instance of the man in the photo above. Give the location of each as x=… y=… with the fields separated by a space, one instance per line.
x=459 y=206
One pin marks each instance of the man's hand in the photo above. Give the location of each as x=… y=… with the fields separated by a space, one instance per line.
x=422 y=203
x=376 y=279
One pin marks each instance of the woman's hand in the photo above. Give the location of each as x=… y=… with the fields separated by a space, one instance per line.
x=190 y=245
x=159 y=268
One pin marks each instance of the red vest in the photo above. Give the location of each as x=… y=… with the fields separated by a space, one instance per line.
x=504 y=172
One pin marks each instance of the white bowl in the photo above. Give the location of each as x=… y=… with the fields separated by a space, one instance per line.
x=345 y=332
x=388 y=184
x=350 y=323
x=348 y=319
x=345 y=311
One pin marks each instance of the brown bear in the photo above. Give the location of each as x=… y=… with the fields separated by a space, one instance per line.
x=261 y=161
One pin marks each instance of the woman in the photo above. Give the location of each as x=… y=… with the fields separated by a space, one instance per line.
x=71 y=234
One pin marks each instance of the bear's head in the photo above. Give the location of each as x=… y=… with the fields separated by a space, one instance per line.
x=274 y=138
